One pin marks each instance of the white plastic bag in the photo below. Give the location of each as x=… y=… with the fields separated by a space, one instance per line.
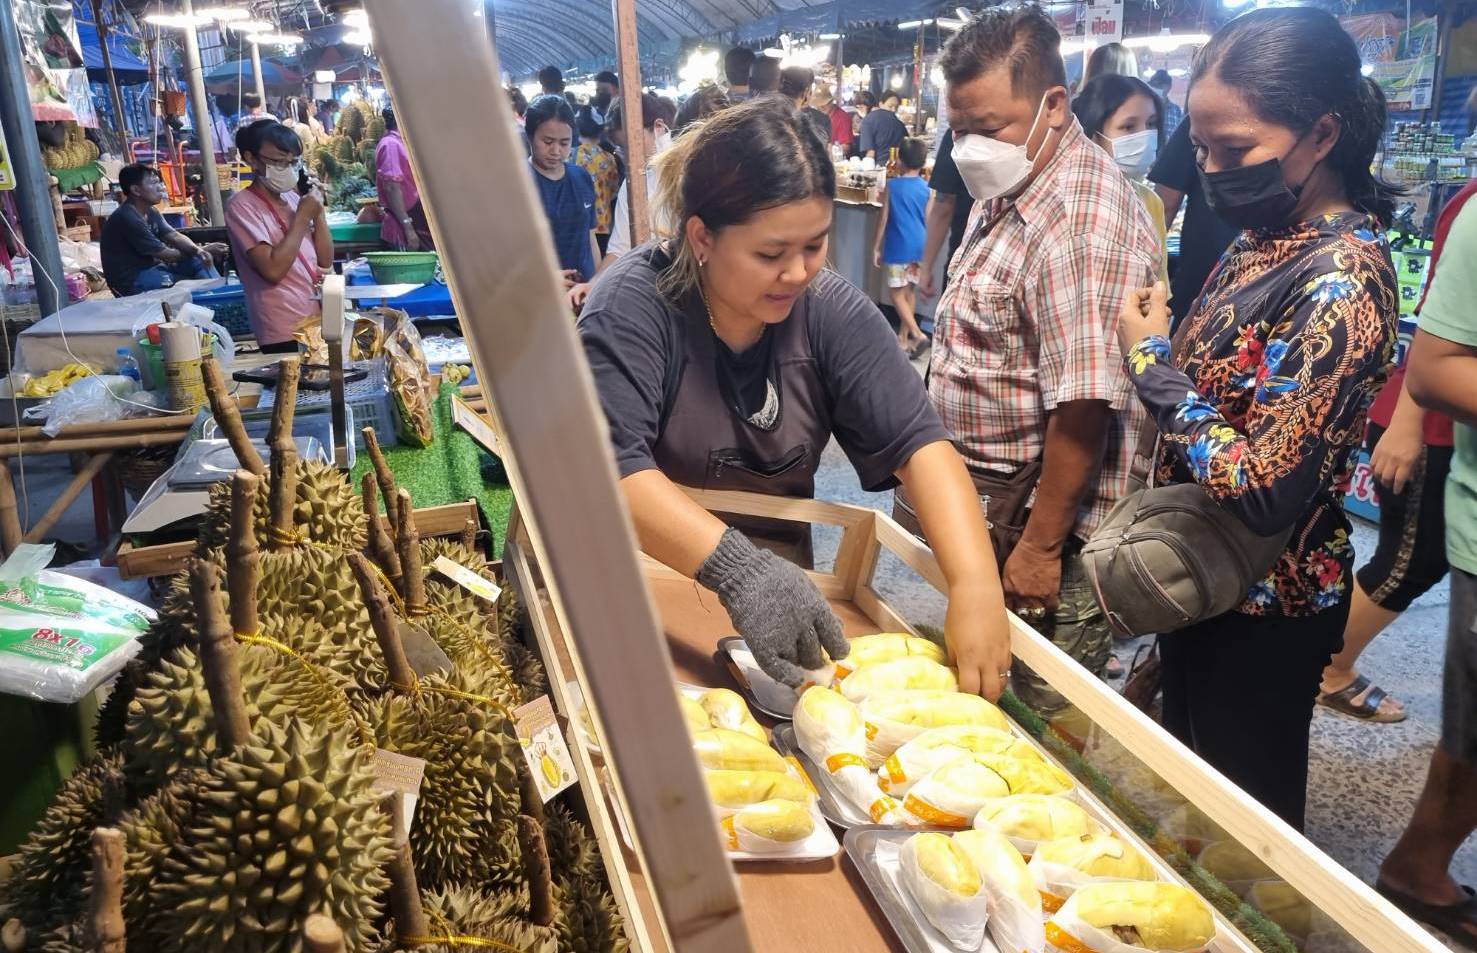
x=960 y=919
x=830 y=730
x=1066 y=930
x=91 y=400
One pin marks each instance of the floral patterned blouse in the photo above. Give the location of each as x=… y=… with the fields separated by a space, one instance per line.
x=602 y=168
x=1262 y=396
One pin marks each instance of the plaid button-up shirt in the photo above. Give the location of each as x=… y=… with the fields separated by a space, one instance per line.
x=1030 y=315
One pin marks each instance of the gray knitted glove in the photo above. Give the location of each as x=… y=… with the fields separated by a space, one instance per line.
x=775 y=607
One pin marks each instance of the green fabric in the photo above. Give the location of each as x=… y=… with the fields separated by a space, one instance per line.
x=1448 y=314
x=69 y=179
x=453 y=468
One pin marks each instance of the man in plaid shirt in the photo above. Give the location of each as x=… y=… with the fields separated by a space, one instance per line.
x=1025 y=365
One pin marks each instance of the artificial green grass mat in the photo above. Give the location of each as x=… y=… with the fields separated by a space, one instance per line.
x=452 y=469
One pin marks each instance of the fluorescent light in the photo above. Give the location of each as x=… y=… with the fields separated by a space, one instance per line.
x=964 y=13
x=1367 y=69
x=773 y=51
x=357 y=38
x=914 y=24
x=354 y=18
x=275 y=39
x=1179 y=72
x=830 y=36
x=945 y=23
x=897 y=81
x=177 y=21
x=224 y=14
x=1167 y=42
x=252 y=26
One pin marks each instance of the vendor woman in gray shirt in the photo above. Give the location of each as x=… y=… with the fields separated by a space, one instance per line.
x=727 y=357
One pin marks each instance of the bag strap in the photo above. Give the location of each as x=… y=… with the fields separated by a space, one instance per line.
x=1145 y=453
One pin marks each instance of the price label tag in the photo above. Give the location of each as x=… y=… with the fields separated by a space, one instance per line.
x=475 y=583
x=401 y=775
x=543 y=747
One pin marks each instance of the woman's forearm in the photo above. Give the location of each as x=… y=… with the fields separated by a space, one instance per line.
x=949 y=511
x=672 y=528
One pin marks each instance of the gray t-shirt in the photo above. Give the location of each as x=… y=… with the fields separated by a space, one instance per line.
x=633 y=340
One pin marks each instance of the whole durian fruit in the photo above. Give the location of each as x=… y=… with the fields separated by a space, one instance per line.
x=326 y=510
x=283 y=827
x=366 y=156
x=149 y=831
x=572 y=852
x=351 y=124
x=374 y=130
x=49 y=882
x=588 y=919
x=499 y=916
x=447 y=595
x=343 y=146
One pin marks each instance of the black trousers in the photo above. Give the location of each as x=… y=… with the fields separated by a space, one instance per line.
x=1411 y=555
x=1239 y=691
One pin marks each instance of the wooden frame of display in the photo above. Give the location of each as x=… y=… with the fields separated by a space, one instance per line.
x=498 y=258
x=866 y=534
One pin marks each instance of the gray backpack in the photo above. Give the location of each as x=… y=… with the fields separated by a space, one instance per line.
x=1169 y=556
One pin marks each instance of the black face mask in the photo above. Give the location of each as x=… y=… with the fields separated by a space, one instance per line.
x=1252 y=196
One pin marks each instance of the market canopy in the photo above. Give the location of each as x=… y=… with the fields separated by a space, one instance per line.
x=126 y=65
x=223 y=78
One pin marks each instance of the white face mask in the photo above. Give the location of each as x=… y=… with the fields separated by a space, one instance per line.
x=281 y=180
x=991 y=168
x=1136 y=152
x=663 y=140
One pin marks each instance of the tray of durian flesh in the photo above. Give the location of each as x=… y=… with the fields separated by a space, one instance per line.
x=894 y=742
x=764 y=802
x=973 y=891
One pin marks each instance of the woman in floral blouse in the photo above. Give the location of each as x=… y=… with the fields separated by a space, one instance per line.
x=1261 y=397
x=593 y=158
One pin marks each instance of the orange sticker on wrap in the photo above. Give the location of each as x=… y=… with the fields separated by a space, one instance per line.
x=838 y=761
x=894 y=771
x=1051 y=903
x=933 y=815
x=1065 y=941
x=730 y=836
x=842 y=670
x=881 y=808
x=871 y=730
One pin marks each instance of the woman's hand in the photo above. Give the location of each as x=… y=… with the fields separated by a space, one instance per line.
x=1145 y=313
x=877 y=257
x=1397 y=456
x=978 y=633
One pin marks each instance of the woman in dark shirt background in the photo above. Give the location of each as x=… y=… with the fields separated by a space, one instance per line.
x=1262 y=397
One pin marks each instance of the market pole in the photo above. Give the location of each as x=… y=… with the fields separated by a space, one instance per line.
x=623 y=12
x=918 y=81
x=256 y=70
x=490 y=18
x=116 y=95
x=33 y=182
x=204 y=129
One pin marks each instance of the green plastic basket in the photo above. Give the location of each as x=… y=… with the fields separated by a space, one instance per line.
x=396 y=267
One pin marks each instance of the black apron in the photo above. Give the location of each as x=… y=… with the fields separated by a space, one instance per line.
x=704 y=443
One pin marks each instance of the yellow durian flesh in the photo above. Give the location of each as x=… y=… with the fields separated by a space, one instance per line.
x=1035 y=817
x=911 y=673
x=946 y=864
x=934 y=709
x=732 y=751
x=693 y=714
x=1233 y=863
x=1165 y=916
x=777 y=820
x=1028 y=777
x=971 y=776
x=725 y=708
x=1284 y=906
x=1099 y=854
x=742 y=788
x=1000 y=865
x=886 y=646
x=976 y=739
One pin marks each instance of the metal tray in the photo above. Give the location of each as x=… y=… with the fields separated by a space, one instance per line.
x=771 y=698
x=834 y=805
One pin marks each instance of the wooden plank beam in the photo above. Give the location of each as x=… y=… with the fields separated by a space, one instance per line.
x=58 y=507
x=504 y=281
x=628 y=60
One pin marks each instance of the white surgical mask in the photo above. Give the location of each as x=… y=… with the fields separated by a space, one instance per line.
x=991 y=168
x=663 y=140
x=281 y=180
x=1136 y=152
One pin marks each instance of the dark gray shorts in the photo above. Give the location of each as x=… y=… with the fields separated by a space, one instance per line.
x=1459 y=680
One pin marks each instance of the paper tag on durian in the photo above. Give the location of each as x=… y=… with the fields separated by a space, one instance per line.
x=543 y=747
x=474 y=582
x=402 y=775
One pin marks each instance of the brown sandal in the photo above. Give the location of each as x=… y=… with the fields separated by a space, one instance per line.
x=1342 y=701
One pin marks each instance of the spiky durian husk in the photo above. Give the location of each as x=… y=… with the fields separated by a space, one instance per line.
x=512 y=620
x=170 y=721
x=283 y=827
x=374 y=130
x=465 y=829
x=343 y=147
x=501 y=916
x=50 y=879
x=68 y=937
x=448 y=596
x=325 y=509
x=588 y=919
x=527 y=670
x=149 y=831
x=572 y=852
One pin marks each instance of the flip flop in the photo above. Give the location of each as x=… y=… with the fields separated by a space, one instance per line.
x=1456 y=920
x=1342 y=701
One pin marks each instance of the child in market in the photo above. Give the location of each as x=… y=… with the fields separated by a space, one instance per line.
x=899 y=245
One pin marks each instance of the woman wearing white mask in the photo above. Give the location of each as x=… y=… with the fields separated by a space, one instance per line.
x=279 y=235
x=1122 y=114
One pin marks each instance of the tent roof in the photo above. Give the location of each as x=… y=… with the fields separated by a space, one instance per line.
x=128 y=67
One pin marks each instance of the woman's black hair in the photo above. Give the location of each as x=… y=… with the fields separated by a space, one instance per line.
x=704 y=102
x=1296 y=65
x=587 y=124
x=1104 y=94
x=754 y=156
x=1111 y=58
x=251 y=137
x=549 y=108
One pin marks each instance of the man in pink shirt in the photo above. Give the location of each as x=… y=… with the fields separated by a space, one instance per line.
x=279 y=236
x=404 y=225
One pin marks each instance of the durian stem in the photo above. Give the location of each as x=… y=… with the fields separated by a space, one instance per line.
x=243 y=556
x=536 y=871
x=402 y=676
x=469 y=534
x=405 y=896
x=220 y=667
x=227 y=415
x=381 y=547
x=410 y=557
x=322 y=935
x=283 y=491
x=13 y=936
x=383 y=474
x=530 y=802
x=106 y=930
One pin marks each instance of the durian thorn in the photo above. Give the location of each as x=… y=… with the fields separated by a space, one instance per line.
x=283 y=490
x=13 y=936
x=405 y=895
x=381 y=547
x=384 y=475
x=227 y=414
x=410 y=558
x=383 y=620
x=243 y=556
x=536 y=870
x=220 y=667
x=322 y=935
x=106 y=932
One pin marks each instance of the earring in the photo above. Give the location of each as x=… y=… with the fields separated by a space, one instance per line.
x=702 y=262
